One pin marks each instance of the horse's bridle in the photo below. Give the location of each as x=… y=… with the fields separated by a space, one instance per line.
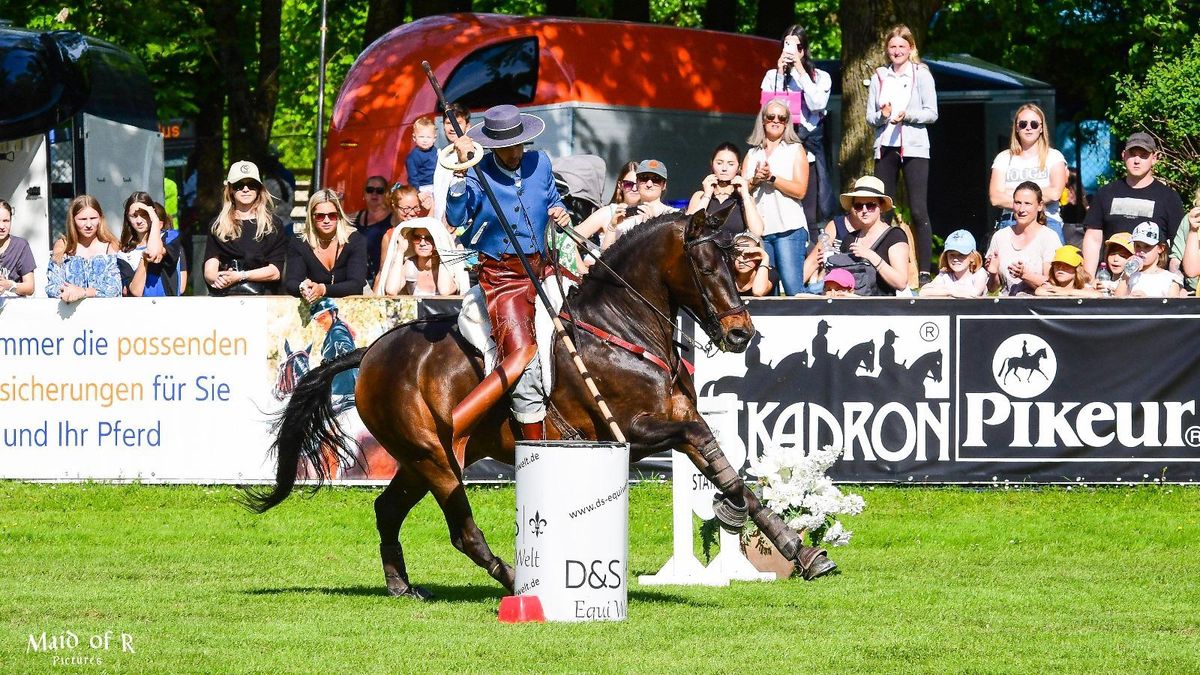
x=711 y=323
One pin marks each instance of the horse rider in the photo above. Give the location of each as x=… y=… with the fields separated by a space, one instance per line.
x=524 y=188
x=339 y=340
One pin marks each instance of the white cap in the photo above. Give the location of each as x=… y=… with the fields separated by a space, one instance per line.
x=243 y=170
x=1146 y=233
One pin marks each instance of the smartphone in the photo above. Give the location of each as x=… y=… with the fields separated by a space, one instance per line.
x=631 y=211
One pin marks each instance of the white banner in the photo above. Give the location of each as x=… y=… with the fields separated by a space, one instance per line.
x=174 y=390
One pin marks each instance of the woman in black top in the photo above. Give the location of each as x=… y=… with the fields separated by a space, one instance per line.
x=247 y=246
x=725 y=183
x=330 y=261
x=882 y=246
x=374 y=221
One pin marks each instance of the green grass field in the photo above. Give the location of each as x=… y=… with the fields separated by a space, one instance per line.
x=935 y=580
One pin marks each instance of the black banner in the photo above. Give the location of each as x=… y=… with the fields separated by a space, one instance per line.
x=969 y=391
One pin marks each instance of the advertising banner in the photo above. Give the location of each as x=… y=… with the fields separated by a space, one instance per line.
x=177 y=390
x=972 y=391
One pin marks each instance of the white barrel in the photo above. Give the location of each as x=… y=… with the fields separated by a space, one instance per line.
x=573 y=528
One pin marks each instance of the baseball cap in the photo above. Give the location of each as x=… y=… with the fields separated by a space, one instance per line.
x=652 y=166
x=1142 y=140
x=1121 y=239
x=1146 y=233
x=1069 y=255
x=840 y=277
x=960 y=241
x=242 y=170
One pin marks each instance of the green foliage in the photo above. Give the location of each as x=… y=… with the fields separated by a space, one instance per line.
x=1074 y=45
x=295 y=128
x=1162 y=101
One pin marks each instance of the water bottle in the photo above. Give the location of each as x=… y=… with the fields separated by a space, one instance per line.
x=826 y=247
x=1133 y=269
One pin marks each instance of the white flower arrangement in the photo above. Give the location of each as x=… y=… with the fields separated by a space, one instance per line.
x=795 y=486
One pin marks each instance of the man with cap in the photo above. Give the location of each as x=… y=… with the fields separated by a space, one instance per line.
x=339 y=340
x=1120 y=205
x=524 y=188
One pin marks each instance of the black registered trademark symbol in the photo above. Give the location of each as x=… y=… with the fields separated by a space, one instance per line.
x=929 y=331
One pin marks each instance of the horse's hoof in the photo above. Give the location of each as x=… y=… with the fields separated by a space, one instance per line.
x=411 y=592
x=820 y=566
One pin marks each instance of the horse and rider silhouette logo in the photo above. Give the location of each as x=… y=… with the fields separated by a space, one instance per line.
x=859 y=367
x=1024 y=365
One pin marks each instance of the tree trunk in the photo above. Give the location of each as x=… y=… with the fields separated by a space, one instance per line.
x=635 y=10
x=382 y=16
x=864 y=23
x=720 y=15
x=267 y=88
x=774 y=17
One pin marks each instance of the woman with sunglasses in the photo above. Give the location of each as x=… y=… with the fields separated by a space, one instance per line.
x=777 y=168
x=873 y=240
x=246 y=246
x=374 y=221
x=1029 y=157
x=405 y=202
x=624 y=203
x=901 y=103
x=423 y=271
x=330 y=260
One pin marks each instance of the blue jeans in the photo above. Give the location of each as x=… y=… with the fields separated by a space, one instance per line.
x=787 y=251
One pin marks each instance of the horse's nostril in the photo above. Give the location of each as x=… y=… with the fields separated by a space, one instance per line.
x=739 y=335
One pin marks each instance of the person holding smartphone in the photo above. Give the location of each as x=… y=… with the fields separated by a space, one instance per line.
x=604 y=220
x=651 y=176
x=807 y=89
x=726 y=183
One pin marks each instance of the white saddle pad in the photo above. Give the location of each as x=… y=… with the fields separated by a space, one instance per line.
x=476 y=326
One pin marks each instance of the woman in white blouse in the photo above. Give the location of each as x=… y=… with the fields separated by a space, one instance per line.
x=777 y=168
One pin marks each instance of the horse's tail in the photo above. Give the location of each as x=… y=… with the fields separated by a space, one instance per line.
x=1003 y=364
x=305 y=427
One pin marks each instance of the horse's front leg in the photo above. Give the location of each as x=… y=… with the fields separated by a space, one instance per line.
x=694 y=438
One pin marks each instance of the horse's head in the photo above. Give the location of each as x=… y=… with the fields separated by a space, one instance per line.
x=293 y=367
x=708 y=290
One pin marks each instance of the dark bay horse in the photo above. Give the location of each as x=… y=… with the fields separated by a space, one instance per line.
x=412 y=377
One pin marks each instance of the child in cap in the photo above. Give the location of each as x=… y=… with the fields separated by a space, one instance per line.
x=752 y=271
x=1067 y=276
x=839 y=283
x=1146 y=275
x=960 y=270
x=1117 y=250
x=422 y=159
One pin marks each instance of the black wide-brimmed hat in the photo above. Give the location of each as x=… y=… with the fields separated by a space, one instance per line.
x=504 y=126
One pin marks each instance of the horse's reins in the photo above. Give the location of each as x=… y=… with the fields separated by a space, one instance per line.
x=559 y=331
x=713 y=318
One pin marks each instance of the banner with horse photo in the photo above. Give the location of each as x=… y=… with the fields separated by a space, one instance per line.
x=173 y=391
x=1034 y=390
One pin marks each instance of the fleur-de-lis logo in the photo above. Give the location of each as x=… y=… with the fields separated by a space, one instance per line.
x=538 y=523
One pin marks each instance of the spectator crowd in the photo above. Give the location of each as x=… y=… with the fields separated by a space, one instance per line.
x=789 y=237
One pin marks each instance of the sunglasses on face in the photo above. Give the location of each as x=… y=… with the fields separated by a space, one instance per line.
x=245 y=185
x=651 y=178
x=866 y=206
x=1029 y=124
x=417 y=238
x=375 y=190
x=409 y=209
x=772 y=117
x=329 y=215
x=629 y=185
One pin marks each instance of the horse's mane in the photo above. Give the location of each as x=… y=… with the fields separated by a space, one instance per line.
x=631 y=244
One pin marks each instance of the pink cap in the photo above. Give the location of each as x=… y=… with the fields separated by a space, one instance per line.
x=840 y=277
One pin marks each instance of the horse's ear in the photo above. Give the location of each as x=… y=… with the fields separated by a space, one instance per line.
x=308 y=349
x=287 y=349
x=696 y=224
x=717 y=219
